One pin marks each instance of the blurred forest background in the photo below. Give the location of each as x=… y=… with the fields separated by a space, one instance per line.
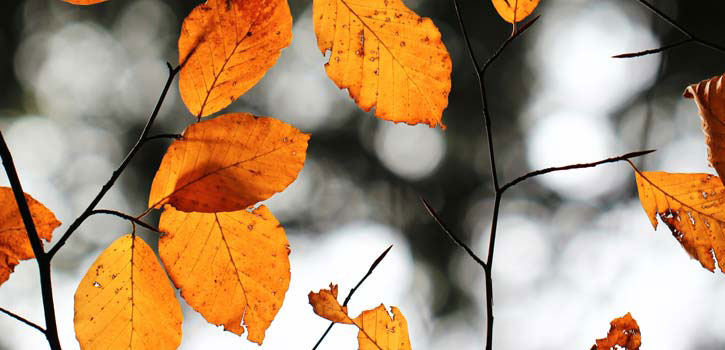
x=574 y=249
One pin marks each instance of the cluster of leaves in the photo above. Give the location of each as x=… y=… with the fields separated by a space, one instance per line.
x=228 y=255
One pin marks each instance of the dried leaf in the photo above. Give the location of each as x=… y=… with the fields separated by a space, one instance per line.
x=226 y=47
x=692 y=206
x=623 y=332
x=231 y=267
x=324 y=304
x=228 y=163
x=14 y=243
x=376 y=329
x=515 y=10
x=84 y=2
x=387 y=57
x=126 y=302
x=709 y=96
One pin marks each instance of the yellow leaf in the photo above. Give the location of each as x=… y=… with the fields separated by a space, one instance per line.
x=14 y=243
x=324 y=304
x=387 y=57
x=84 y=2
x=692 y=206
x=126 y=302
x=226 y=47
x=623 y=332
x=709 y=96
x=228 y=163
x=231 y=267
x=515 y=10
x=376 y=329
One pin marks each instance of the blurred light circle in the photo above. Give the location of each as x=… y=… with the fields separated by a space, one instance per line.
x=39 y=146
x=523 y=252
x=411 y=151
x=567 y=137
x=573 y=54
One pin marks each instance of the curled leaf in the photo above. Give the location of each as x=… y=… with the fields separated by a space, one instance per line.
x=623 y=332
x=126 y=302
x=387 y=57
x=228 y=163
x=232 y=267
x=692 y=206
x=709 y=95
x=376 y=329
x=14 y=242
x=515 y=10
x=226 y=47
x=324 y=304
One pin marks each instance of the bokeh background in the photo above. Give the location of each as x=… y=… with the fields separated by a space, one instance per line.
x=574 y=249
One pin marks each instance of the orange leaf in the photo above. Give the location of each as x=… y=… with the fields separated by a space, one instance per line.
x=228 y=163
x=226 y=46
x=14 y=243
x=84 y=2
x=387 y=57
x=325 y=305
x=231 y=267
x=126 y=302
x=376 y=329
x=515 y=10
x=709 y=96
x=692 y=206
x=623 y=332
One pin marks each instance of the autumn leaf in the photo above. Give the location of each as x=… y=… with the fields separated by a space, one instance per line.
x=84 y=2
x=228 y=163
x=709 y=95
x=324 y=304
x=376 y=329
x=515 y=10
x=231 y=267
x=387 y=57
x=623 y=332
x=14 y=243
x=226 y=47
x=126 y=302
x=692 y=206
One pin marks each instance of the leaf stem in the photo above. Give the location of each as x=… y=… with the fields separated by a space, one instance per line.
x=117 y=173
x=133 y=220
x=352 y=291
x=690 y=38
x=41 y=257
x=22 y=319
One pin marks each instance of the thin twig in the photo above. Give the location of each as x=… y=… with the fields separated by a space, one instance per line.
x=450 y=234
x=573 y=166
x=130 y=218
x=117 y=173
x=689 y=36
x=22 y=319
x=42 y=258
x=352 y=291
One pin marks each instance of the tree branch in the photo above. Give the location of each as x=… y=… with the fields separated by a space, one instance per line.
x=42 y=258
x=22 y=319
x=450 y=234
x=117 y=173
x=689 y=36
x=130 y=218
x=573 y=166
x=352 y=291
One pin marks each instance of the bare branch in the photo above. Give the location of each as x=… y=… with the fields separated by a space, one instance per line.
x=450 y=234
x=22 y=319
x=130 y=218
